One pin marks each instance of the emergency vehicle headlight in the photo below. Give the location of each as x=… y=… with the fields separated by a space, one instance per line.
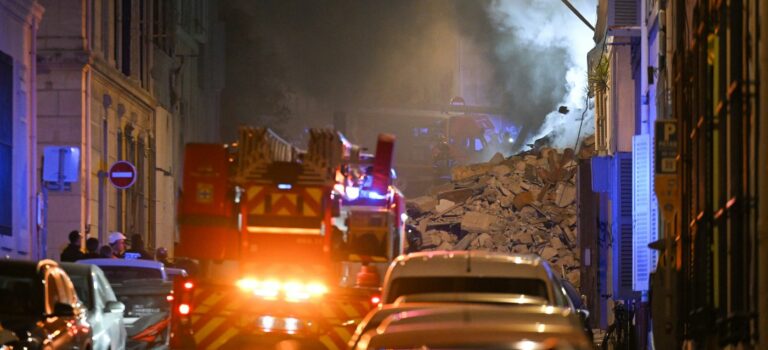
x=317 y=289
x=247 y=284
x=290 y=290
x=269 y=289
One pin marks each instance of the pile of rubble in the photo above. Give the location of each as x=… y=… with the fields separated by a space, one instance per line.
x=522 y=204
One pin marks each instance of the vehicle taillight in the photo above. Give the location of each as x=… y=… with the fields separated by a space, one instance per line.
x=184 y=309
x=169 y=297
x=188 y=285
x=375 y=300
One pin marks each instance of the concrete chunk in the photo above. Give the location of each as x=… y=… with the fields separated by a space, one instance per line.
x=477 y=222
x=444 y=205
x=423 y=204
x=456 y=196
x=501 y=170
x=548 y=253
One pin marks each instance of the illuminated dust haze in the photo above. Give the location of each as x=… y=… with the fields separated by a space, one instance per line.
x=291 y=64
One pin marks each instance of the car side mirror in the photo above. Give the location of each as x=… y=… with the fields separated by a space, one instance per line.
x=114 y=306
x=583 y=314
x=63 y=310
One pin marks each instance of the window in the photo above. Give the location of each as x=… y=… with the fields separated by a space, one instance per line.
x=125 y=37
x=121 y=274
x=500 y=285
x=82 y=287
x=163 y=24
x=6 y=142
x=17 y=292
x=105 y=290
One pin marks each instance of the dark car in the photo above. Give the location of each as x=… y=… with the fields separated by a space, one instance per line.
x=143 y=287
x=40 y=306
x=105 y=313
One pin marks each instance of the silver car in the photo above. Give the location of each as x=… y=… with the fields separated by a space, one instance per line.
x=473 y=326
x=436 y=301
x=105 y=313
x=476 y=272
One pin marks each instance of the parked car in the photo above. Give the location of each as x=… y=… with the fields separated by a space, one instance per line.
x=473 y=272
x=433 y=301
x=472 y=326
x=39 y=307
x=478 y=272
x=144 y=288
x=105 y=313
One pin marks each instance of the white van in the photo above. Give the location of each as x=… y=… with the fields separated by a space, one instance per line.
x=473 y=272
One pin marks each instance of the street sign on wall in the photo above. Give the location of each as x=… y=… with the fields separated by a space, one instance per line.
x=666 y=147
x=122 y=174
x=665 y=163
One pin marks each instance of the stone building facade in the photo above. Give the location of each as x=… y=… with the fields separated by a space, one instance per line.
x=19 y=20
x=121 y=80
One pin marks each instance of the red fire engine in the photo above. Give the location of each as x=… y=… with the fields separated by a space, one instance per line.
x=290 y=243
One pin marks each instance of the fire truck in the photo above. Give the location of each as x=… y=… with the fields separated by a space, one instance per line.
x=290 y=243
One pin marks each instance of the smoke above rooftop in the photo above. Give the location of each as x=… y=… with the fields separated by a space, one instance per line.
x=288 y=58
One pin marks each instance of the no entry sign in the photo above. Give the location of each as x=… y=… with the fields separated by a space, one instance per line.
x=122 y=174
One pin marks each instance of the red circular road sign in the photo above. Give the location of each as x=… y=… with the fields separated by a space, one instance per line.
x=122 y=174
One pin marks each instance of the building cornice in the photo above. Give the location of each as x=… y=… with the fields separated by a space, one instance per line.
x=125 y=85
x=26 y=11
x=80 y=60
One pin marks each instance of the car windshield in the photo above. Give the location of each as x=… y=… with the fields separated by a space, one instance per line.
x=499 y=285
x=120 y=274
x=81 y=287
x=17 y=297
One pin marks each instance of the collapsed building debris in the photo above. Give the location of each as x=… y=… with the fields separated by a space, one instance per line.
x=522 y=204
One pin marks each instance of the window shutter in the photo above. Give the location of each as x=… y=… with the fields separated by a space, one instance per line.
x=621 y=197
x=641 y=211
x=6 y=143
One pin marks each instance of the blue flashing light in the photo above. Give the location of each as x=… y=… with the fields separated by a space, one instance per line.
x=367 y=181
x=284 y=186
x=374 y=195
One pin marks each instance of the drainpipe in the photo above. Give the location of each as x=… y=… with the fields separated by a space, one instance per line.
x=103 y=199
x=85 y=146
x=762 y=149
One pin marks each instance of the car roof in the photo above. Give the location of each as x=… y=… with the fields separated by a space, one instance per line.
x=472 y=298
x=147 y=264
x=498 y=336
x=24 y=267
x=76 y=268
x=464 y=324
x=481 y=314
x=383 y=311
x=472 y=262
x=18 y=268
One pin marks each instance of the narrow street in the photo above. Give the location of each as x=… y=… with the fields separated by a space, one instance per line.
x=400 y=174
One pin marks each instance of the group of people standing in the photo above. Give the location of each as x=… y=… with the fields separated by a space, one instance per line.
x=115 y=249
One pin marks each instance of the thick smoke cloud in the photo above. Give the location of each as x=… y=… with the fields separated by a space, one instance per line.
x=285 y=55
x=551 y=26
